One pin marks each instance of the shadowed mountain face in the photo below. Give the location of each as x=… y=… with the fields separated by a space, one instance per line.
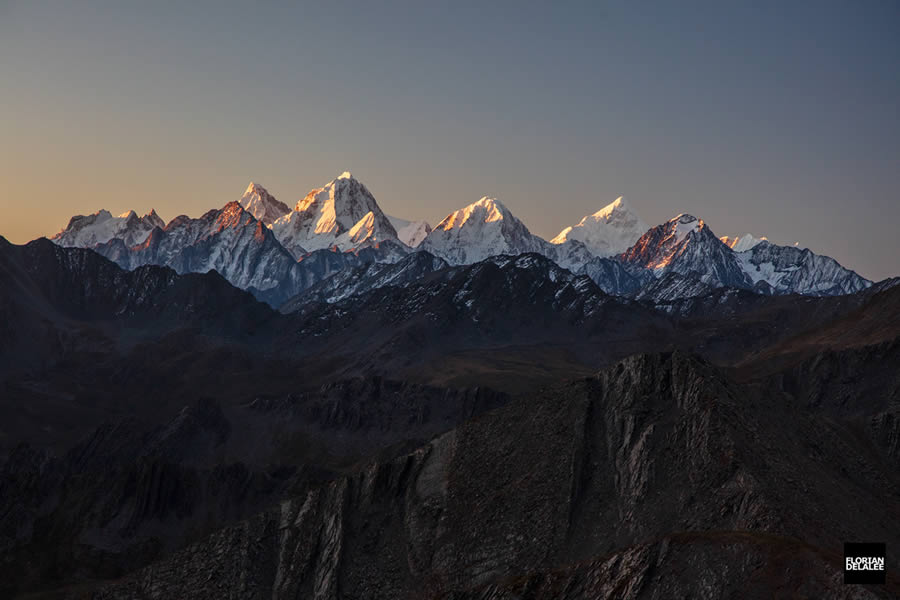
x=600 y=481
x=130 y=493
x=498 y=430
x=59 y=302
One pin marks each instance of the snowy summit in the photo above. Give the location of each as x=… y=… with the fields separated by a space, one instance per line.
x=262 y=205
x=482 y=229
x=745 y=242
x=609 y=231
x=342 y=214
x=100 y=227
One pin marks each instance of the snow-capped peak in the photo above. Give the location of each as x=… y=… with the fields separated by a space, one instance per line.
x=255 y=188
x=154 y=219
x=480 y=230
x=486 y=210
x=91 y=230
x=685 y=245
x=684 y=225
x=321 y=219
x=740 y=244
x=611 y=230
x=262 y=205
x=619 y=204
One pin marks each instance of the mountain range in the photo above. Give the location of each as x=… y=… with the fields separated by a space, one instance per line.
x=260 y=244
x=328 y=401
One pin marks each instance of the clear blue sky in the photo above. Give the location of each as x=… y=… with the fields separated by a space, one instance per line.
x=777 y=118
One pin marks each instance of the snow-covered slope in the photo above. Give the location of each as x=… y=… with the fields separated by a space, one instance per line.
x=673 y=286
x=609 y=231
x=483 y=229
x=229 y=240
x=739 y=244
x=571 y=254
x=262 y=205
x=614 y=278
x=788 y=269
x=256 y=244
x=685 y=245
x=368 y=276
x=342 y=214
x=410 y=233
x=100 y=227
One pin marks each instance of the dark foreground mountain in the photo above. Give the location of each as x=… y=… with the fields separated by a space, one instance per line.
x=146 y=416
x=658 y=478
x=57 y=302
x=130 y=492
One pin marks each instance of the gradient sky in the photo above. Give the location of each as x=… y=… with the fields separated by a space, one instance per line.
x=777 y=118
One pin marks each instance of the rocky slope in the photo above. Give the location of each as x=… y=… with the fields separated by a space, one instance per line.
x=614 y=278
x=321 y=422
x=230 y=241
x=663 y=448
x=130 y=493
x=685 y=245
x=791 y=270
x=57 y=302
x=369 y=276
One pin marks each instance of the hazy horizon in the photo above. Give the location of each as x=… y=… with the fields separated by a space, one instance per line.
x=780 y=121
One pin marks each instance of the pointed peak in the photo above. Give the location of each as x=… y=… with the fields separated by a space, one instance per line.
x=128 y=214
x=742 y=243
x=683 y=218
x=486 y=210
x=493 y=208
x=345 y=175
x=153 y=219
x=489 y=202
x=255 y=188
x=233 y=206
x=684 y=224
x=619 y=204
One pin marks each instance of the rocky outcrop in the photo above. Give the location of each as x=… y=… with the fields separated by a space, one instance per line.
x=128 y=494
x=658 y=447
x=714 y=565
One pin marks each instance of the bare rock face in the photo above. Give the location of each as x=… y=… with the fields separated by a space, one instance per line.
x=556 y=495
x=714 y=565
x=686 y=245
x=127 y=494
x=788 y=269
